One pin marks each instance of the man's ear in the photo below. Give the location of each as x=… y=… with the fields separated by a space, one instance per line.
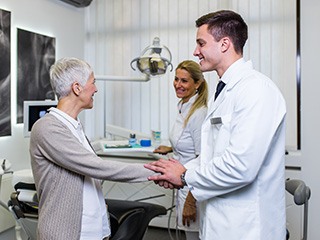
x=76 y=88
x=225 y=44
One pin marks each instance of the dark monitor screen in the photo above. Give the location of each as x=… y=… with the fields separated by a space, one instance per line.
x=34 y=110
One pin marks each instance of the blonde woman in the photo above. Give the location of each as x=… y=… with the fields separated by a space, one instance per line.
x=191 y=87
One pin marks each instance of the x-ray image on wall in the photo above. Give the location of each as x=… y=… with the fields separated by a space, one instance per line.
x=36 y=54
x=5 y=77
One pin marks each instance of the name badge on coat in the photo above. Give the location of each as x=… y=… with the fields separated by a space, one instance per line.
x=216 y=120
x=225 y=119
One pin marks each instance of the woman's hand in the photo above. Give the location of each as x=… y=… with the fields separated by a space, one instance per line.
x=189 y=210
x=163 y=150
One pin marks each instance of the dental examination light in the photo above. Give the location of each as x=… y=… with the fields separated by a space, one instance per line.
x=152 y=62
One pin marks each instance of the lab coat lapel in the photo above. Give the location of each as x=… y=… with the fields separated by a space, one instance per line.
x=231 y=77
x=215 y=103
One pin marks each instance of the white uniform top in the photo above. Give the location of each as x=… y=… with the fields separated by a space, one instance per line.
x=186 y=143
x=95 y=222
x=240 y=183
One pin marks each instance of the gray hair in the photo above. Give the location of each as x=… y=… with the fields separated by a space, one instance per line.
x=65 y=72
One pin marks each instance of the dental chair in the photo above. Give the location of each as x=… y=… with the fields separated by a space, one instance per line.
x=129 y=220
x=4 y=169
x=301 y=195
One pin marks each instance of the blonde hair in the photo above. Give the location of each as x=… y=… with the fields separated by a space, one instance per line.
x=196 y=74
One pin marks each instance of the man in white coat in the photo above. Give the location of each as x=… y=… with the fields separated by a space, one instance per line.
x=240 y=182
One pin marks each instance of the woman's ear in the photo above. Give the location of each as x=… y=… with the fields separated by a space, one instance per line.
x=76 y=88
x=197 y=85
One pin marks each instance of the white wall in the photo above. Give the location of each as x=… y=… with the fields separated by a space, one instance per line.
x=118 y=31
x=51 y=18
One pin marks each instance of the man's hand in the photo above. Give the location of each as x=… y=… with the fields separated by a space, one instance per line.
x=170 y=170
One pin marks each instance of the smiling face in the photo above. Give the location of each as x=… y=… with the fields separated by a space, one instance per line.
x=184 y=85
x=208 y=50
x=88 y=91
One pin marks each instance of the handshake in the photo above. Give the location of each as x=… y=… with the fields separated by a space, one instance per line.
x=171 y=171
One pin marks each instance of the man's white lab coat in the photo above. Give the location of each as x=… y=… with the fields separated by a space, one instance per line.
x=240 y=183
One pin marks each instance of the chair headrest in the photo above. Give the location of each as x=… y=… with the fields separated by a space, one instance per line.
x=24 y=176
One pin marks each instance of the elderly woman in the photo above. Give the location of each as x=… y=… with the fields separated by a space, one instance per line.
x=66 y=170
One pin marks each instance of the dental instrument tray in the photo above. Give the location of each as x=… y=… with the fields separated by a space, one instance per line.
x=117 y=144
x=116 y=148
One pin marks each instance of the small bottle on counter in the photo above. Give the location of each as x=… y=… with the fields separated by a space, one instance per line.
x=132 y=140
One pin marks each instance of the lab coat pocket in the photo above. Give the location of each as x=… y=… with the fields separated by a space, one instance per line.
x=220 y=127
x=234 y=219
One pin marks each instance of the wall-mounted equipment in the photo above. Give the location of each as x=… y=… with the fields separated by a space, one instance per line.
x=78 y=3
x=154 y=61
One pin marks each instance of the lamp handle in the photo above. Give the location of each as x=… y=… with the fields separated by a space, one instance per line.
x=134 y=60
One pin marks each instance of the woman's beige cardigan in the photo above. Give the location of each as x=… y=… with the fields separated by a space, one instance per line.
x=59 y=163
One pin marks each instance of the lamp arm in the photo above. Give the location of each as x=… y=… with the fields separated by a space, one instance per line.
x=143 y=78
